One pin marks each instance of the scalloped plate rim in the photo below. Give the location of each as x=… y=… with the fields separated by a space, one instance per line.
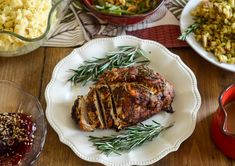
x=66 y=141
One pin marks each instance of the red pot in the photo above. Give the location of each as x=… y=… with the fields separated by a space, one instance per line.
x=123 y=19
x=224 y=139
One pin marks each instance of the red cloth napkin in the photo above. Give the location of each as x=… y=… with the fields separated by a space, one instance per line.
x=164 y=34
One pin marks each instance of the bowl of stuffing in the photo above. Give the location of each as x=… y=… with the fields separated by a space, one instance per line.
x=25 y=25
x=123 y=12
x=22 y=126
x=209 y=28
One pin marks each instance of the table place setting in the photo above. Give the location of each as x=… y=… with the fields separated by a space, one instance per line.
x=80 y=26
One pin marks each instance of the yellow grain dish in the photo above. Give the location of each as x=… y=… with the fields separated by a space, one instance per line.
x=217 y=32
x=27 y=18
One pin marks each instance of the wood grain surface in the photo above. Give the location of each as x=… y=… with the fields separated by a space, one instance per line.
x=33 y=72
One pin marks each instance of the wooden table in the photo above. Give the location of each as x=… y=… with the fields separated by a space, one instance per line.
x=33 y=72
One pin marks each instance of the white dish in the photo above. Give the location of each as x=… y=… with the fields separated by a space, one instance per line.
x=60 y=96
x=185 y=21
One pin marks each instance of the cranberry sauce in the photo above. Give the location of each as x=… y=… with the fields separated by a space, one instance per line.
x=16 y=137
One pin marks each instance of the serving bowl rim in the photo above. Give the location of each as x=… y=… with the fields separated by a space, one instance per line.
x=41 y=113
x=92 y=9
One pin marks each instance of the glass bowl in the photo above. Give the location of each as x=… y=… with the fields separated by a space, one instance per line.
x=56 y=13
x=14 y=100
x=120 y=19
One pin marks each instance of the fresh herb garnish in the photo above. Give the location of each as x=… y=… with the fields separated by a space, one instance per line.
x=124 y=56
x=191 y=29
x=131 y=138
x=113 y=9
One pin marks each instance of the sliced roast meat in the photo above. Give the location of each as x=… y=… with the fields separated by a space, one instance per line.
x=79 y=114
x=106 y=104
x=123 y=97
x=95 y=113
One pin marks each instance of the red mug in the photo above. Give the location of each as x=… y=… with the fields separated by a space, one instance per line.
x=223 y=122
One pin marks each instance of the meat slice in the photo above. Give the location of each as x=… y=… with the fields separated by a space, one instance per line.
x=87 y=112
x=106 y=105
x=79 y=114
x=123 y=97
x=94 y=111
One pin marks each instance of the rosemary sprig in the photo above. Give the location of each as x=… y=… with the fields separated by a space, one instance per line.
x=197 y=24
x=124 y=56
x=131 y=138
x=189 y=30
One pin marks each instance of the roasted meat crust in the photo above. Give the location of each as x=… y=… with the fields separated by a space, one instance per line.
x=123 y=97
x=134 y=103
x=155 y=82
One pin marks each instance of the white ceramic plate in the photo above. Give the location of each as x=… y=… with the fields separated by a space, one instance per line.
x=60 y=96
x=185 y=21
